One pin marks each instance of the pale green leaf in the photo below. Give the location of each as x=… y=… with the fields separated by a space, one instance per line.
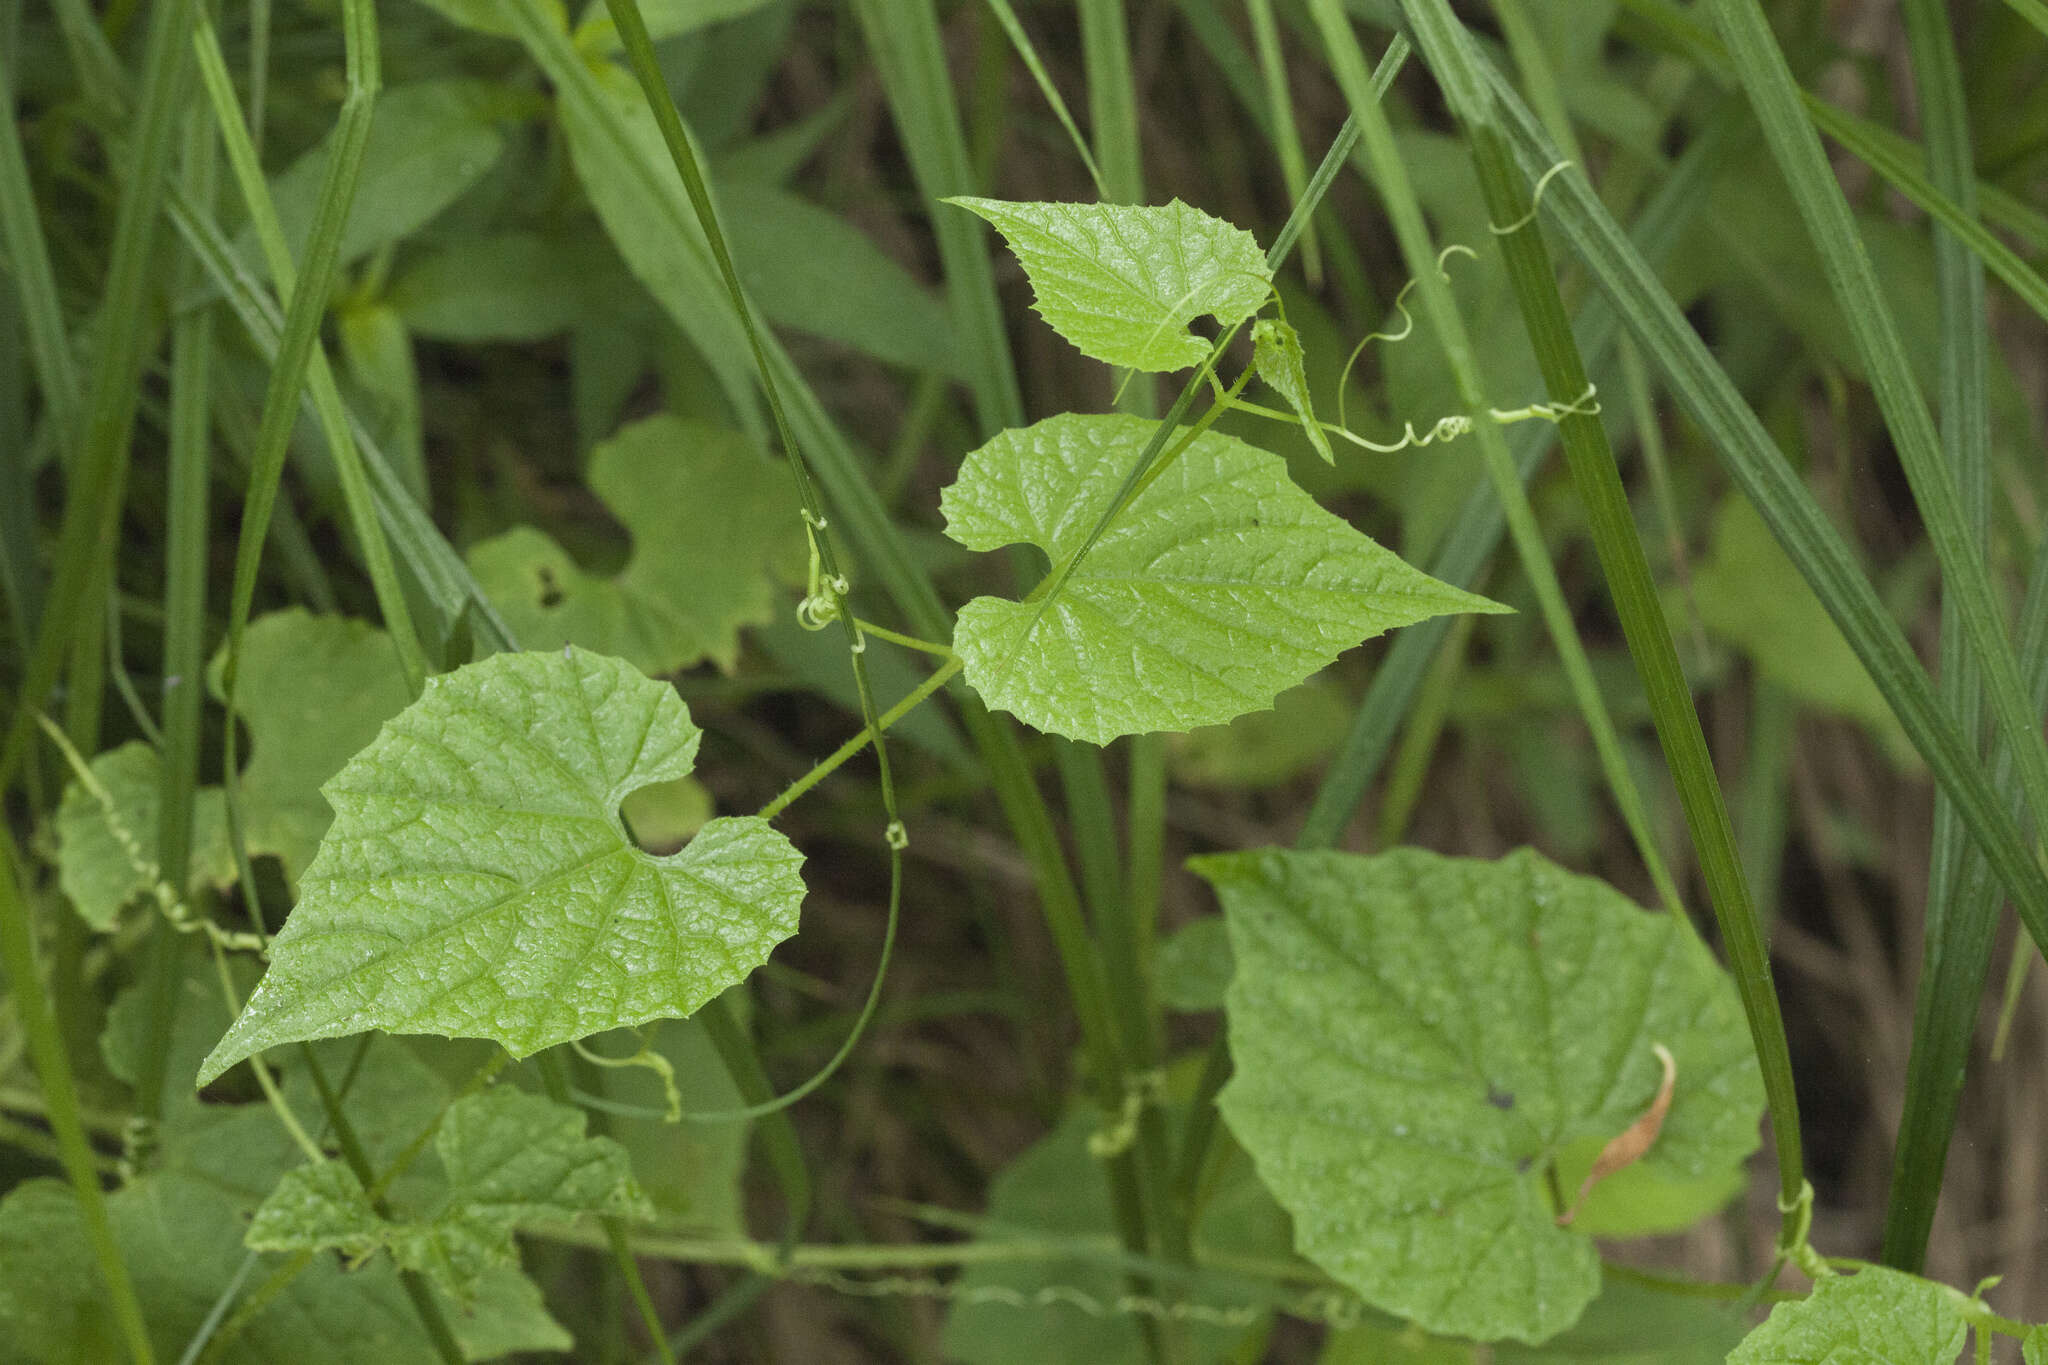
x=488 y=16
x=430 y=141
x=712 y=522
x=107 y=838
x=2034 y=1350
x=1632 y=1324
x=664 y=19
x=1122 y=282
x=812 y=270
x=1371 y=1344
x=1749 y=594
x=508 y=1159
x=1266 y=748
x=1417 y=1037
x=312 y=691
x=181 y=1238
x=1875 y=1317
x=518 y=286
x=1193 y=966
x=1221 y=584
x=478 y=881
x=1277 y=356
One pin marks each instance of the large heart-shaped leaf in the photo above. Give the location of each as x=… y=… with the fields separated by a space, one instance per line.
x=478 y=881
x=1874 y=1317
x=1220 y=585
x=1417 y=1037
x=1122 y=281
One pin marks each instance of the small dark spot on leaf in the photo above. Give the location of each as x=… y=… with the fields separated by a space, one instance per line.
x=1522 y=1166
x=1499 y=1099
x=550 y=591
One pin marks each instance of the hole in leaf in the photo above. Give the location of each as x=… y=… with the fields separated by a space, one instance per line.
x=550 y=590
x=660 y=818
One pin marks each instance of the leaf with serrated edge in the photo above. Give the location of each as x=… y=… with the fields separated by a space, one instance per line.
x=1277 y=356
x=1220 y=585
x=508 y=1158
x=477 y=880
x=1874 y=1317
x=1415 y=1036
x=1122 y=282
x=710 y=521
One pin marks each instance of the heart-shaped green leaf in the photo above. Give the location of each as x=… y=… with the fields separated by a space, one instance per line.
x=1220 y=585
x=1122 y=282
x=1417 y=1037
x=477 y=880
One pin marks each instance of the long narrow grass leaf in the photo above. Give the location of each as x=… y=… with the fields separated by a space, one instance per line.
x=1597 y=478
x=1853 y=280
x=60 y=1096
x=1787 y=506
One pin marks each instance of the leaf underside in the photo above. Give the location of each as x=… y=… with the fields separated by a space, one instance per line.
x=1221 y=585
x=1416 y=1037
x=477 y=880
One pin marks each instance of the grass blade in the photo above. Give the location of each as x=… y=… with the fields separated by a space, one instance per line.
x=903 y=38
x=1853 y=280
x=60 y=1099
x=1769 y=481
x=1962 y=901
x=1626 y=567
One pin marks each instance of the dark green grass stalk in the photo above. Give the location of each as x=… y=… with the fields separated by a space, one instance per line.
x=640 y=54
x=34 y=282
x=184 y=647
x=1112 y=98
x=304 y=291
x=1286 y=137
x=903 y=38
x=1962 y=900
x=1900 y=161
x=443 y=578
x=1853 y=280
x=1597 y=478
x=1473 y=536
x=92 y=507
x=60 y=1100
x=1787 y=506
x=1499 y=464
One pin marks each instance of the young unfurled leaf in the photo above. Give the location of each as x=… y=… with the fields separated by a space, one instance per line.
x=1122 y=282
x=1875 y=1317
x=1276 y=355
x=1416 y=1037
x=107 y=849
x=477 y=880
x=1220 y=585
x=509 y=1159
x=711 y=521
